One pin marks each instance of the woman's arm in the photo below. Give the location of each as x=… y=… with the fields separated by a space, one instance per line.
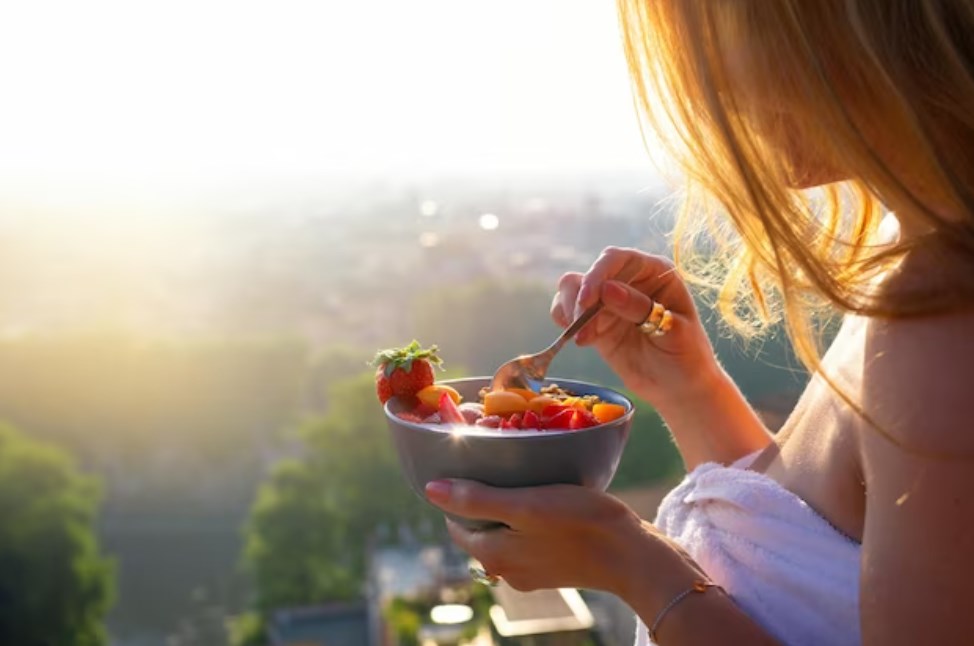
x=713 y=422
x=659 y=571
x=568 y=536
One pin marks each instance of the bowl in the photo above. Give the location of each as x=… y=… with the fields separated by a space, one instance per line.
x=587 y=457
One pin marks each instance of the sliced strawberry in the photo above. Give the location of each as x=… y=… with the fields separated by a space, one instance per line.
x=530 y=420
x=560 y=420
x=449 y=412
x=553 y=409
x=423 y=410
x=582 y=419
x=515 y=420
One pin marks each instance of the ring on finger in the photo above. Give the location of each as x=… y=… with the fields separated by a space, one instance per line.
x=482 y=576
x=658 y=322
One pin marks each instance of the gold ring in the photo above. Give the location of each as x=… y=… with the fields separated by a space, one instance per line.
x=480 y=575
x=658 y=322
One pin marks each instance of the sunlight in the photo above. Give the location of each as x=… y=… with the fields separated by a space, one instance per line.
x=451 y=614
x=175 y=96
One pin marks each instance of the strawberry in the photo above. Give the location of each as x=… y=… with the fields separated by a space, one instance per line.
x=449 y=412
x=551 y=410
x=560 y=420
x=403 y=372
x=530 y=420
x=582 y=419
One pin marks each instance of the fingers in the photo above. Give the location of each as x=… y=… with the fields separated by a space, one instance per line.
x=625 y=302
x=607 y=265
x=624 y=266
x=493 y=548
x=474 y=500
x=563 y=304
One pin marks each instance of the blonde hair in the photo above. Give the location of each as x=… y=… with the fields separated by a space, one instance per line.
x=833 y=72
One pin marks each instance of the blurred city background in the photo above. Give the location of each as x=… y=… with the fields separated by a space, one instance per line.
x=212 y=214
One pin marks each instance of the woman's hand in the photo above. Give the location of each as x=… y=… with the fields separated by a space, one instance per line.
x=674 y=367
x=561 y=536
x=677 y=373
x=567 y=536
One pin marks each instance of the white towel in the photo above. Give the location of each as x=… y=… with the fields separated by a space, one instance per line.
x=781 y=562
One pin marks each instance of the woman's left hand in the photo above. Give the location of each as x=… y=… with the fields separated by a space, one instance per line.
x=556 y=536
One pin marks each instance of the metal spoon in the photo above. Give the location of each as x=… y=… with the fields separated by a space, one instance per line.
x=529 y=370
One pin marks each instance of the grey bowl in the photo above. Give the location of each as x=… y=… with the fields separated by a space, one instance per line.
x=587 y=457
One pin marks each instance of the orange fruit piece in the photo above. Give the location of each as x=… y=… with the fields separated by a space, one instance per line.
x=504 y=403
x=431 y=394
x=575 y=402
x=539 y=402
x=523 y=392
x=606 y=413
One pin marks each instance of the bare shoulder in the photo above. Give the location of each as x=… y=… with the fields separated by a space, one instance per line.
x=919 y=526
x=918 y=381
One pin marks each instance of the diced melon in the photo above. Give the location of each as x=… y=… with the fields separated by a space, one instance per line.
x=523 y=392
x=540 y=402
x=605 y=412
x=503 y=403
x=575 y=402
x=431 y=394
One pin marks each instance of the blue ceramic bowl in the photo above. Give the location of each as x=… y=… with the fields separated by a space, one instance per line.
x=587 y=457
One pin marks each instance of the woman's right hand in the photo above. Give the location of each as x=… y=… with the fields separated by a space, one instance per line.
x=664 y=370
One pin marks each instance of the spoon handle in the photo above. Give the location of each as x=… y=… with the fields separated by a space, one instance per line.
x=573 y=329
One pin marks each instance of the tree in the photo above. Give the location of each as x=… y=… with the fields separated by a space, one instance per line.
x=55 y=586
x=308 y=530
x=650 y=455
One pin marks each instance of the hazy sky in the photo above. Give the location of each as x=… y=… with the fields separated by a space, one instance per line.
x=127 y=95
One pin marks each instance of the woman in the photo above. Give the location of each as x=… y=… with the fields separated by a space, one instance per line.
x=855 y=523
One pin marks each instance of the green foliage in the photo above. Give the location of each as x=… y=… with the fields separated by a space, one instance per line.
x=650 y=454
x=308 y=529
x=55 y=587
x=405 y=618
x=247 y=629
x=116 y=400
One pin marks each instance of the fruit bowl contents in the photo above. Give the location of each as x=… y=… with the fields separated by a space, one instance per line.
x=408 y=374
x=436 y=434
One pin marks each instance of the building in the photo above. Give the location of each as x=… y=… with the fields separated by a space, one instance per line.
x=327 y=625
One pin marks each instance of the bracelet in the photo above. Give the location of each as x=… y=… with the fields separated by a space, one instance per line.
x=699 y=586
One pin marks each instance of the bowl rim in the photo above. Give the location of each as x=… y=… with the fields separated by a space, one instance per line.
x=490 y=433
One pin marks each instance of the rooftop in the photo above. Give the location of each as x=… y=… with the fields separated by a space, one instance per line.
x=538 y=612
x=327 y=625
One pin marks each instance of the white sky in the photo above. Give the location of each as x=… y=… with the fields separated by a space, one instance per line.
x=127 y=94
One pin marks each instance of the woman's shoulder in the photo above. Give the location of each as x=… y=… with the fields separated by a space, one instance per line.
x=918 y=375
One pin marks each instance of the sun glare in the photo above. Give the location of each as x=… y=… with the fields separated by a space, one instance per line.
x=489 y=222
x=136 y=96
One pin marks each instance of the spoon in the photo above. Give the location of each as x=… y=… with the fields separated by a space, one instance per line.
x=529 y=370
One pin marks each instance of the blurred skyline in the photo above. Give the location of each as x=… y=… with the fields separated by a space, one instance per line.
x=133 y=103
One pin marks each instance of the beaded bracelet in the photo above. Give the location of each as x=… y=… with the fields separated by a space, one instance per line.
x=699 y=586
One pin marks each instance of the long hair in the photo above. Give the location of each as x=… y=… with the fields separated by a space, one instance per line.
x=881 y=90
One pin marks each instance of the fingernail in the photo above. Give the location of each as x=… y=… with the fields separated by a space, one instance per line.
x=614 y=293
x=438 y=490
